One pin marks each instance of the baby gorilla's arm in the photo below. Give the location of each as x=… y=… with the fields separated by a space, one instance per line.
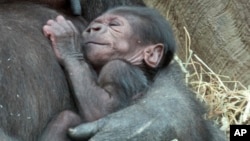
x=116 y=85
x=65 y=43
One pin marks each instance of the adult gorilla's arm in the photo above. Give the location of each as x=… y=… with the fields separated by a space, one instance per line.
x=169 y=111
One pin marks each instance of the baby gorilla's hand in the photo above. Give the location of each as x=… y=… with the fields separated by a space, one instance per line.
x=64 y=38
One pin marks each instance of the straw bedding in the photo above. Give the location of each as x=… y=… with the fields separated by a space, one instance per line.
x=228 y=100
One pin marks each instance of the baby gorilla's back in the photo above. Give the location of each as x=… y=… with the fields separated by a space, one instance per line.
x=124 y=82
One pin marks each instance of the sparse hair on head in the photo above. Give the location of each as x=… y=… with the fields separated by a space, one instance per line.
x=151 y=27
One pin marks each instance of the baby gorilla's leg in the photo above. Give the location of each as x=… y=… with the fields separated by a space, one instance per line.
x=58 y=128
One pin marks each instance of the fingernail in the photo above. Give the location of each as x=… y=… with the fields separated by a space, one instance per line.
x=71 y=130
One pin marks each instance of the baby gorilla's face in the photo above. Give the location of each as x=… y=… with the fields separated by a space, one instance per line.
x=109 y=37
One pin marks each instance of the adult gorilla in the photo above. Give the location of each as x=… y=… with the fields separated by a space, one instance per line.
x=34 y=89
x=32 y=84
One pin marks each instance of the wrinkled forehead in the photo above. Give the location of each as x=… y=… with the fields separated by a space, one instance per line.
x=129 y=17
x=110 y=16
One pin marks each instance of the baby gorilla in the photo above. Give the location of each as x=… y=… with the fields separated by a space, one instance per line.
x=122 y=52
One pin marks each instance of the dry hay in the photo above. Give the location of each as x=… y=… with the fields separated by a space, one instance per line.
x=228 y=101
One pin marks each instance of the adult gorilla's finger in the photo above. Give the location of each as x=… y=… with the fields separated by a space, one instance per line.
x=87 y=130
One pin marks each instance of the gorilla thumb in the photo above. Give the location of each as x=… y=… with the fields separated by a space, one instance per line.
x=86 y=130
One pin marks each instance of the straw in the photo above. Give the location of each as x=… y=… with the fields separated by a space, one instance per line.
x=228 y=101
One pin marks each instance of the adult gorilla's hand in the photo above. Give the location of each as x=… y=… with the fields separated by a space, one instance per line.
x=132 y=123
x=152 y=118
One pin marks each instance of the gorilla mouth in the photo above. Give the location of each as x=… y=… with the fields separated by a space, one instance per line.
x=96 y=43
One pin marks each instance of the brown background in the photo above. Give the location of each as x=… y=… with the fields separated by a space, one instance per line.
x=219 y=30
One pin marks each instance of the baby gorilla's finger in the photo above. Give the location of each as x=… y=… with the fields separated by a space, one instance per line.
x=56 y=24
x=64 y=24
x=72 y=26
x=50 y=22
x=60 y=18
x=56 y=28
x=48 y=31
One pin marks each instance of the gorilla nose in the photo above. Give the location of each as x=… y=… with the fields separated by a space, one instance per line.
x=96 y=28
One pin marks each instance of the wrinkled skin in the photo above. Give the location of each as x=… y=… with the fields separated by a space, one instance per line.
x=107 y=38
x=25 y=62
x=96 y=99
x=44 y=97
x=177 y=116
x=145 y=122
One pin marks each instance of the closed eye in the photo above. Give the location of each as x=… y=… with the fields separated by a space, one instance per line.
x=114 y=23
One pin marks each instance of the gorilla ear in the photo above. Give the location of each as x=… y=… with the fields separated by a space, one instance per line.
x=153 y=54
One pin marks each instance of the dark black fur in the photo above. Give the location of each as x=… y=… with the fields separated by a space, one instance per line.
x=33 y=88
x=103 y=5
x=126 y=81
